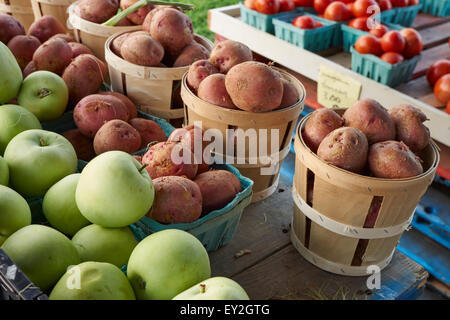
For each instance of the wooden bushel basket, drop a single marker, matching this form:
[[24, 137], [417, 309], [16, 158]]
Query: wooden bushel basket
[[332, 205], [19, 9], [154, 90], [55, 8], [222, 119], [93, 35]]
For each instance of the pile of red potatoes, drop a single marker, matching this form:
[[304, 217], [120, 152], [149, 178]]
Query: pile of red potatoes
[[231, 79], [166, 40], [370, 140]]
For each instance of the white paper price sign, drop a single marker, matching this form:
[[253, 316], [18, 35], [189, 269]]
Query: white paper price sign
[[336, 90]]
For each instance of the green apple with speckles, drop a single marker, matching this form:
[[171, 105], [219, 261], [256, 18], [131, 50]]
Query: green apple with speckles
[[4, 172], [10, 75], [218, 288]]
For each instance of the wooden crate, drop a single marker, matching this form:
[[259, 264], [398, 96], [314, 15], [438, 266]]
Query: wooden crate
[[55, 8], [19, 9]]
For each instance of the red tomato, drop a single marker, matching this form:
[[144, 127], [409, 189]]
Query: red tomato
[[359, 23], [286, 5], [448, 107], [347, 1], [393, 41], [437, 70], [392, 57], [338, 11], [319, 24], [267, 6], [400, 3], [303, 3], [350, 6], [413, 2], [442, 89], [361, 8], [368, 44], [414, 44], [250, 4], [379, 30], [385, 5], [321, 5], [304, 22]]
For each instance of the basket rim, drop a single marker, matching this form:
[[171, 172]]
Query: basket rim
[[365, 178], [383, 63]]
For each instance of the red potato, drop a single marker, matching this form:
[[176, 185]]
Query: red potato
[[149, 131], [116, 44], [172, 29], [319, 125], [191, 53], [78, 49], [346, 148], [97, 11], [117, 135], [124, 23], [218, 188], [29, 69], [177, 200], [141, 49], [290, 95], [54, 56], [393, 160], [410, 128], [148, 18], [162, 160], [9, 28], [132, 110], [83, 145], [198, 71], [254, 87], [138, 16], [84, 76], [372, 119], [63, 36], [23, 48], [93, 111], [228, 53], [46, 27], [213, 90]]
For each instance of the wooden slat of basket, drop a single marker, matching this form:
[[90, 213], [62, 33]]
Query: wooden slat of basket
[[379, 249]]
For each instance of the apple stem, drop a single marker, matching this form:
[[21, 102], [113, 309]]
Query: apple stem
[[43, 143], [202, 288], [143, 167], [42, 93]]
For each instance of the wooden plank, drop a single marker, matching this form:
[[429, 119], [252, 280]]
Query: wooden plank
[[429, 57], [287, 276], [225, 21], [435, 35], [425, 20]]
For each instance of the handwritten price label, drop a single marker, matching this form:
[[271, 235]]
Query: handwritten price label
[[335, 90]]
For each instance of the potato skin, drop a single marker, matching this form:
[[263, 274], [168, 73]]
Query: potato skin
[[198, 71], [190, 54], [63, 36], [97, 11], [172, 29], [23, 48], [132, 110], [54, 56], [160, 164], [9, 28], [228, 53], [393, 160], [93, 111], [213, 90], [290, 95], [117, 135], [177, 200], [372, 119], [83, 145], [149, 131], [46, 27], [78, 48], [319, 125], [29, 69], [410, 128], [218, 188], [254, 87], [346, 148], [138, 16], [142, 50]]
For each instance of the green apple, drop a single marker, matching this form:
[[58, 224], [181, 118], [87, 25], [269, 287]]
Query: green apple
[[167, 263], [218, 288], [42, 253], [60, 208], [37, 159], [10, 75], [14, 213], [114, 190], [93, 281], [112, 245], [45, 94], [4, 172], [13, 120]]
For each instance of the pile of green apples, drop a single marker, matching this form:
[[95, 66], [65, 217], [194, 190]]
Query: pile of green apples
[[78, 255]]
